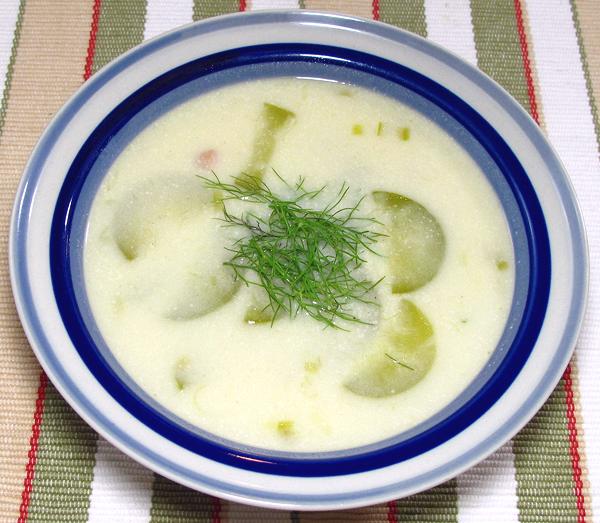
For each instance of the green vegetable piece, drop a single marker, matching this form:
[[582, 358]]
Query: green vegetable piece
[[404, 133], [357, 129], [415, 243], [259, 312], [274, 119], [285, 428], [182, 373], [403, 355], [502, 265], [312, 366], [256, 315], [379, 130], [217, 198]]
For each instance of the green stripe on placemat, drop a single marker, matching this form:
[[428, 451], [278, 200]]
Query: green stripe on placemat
[[409, 15], [545, 486], [11, 65], [64, 465], [121, 27], [543, 466], [439, 504], [207, 8], [497, 45], [173, 503]]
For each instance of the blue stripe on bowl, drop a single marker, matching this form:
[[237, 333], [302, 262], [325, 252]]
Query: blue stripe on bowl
[[516, 192], [31, 317]]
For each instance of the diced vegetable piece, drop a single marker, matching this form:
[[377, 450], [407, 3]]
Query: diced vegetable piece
[[285, 428], [379, 130], [502, 265], [274, 119], [402, 356], [404, 133], [258, 315], [357, 129], [312, 366], [182, 373], [208, 159], [217, 198], [259, 312], [415, 244]]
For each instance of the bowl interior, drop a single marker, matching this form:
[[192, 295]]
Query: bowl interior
[[499, 164]]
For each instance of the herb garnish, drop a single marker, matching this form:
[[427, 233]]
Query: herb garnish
[[398, 362], [306, 259]]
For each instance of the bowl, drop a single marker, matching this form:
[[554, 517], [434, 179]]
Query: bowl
[[68, 164]]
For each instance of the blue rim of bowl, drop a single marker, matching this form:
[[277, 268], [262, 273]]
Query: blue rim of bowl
[[514, 359], [24, 288]]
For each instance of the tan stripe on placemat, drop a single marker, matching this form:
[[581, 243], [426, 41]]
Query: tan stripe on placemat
[[362, 8], [47, 69], [586, 15]]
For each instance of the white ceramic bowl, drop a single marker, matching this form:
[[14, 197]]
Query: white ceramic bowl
[[78, 146]]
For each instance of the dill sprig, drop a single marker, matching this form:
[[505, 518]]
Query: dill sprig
[[306, 259]]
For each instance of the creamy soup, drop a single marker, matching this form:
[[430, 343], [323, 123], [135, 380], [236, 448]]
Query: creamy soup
[[210, 348]]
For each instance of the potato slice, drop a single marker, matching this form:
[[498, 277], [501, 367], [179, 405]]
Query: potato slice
[[198, 296], [159, 227], [403, 354], [138, 216], [416, 244]]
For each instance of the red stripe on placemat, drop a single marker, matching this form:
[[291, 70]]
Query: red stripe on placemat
[[33, 447], [574, 445], [568, 382], [375, 9], [392, 511], [526, 62], [89, 59], [216, 514]]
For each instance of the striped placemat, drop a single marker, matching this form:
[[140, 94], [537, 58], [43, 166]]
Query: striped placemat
[[54, 468]]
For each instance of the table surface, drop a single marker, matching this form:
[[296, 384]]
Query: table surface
[[545, 53]]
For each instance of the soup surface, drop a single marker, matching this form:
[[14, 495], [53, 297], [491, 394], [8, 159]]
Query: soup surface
[[208, 347]]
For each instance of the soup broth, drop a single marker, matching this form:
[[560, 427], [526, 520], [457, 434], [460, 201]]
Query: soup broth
[[209, 348]]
